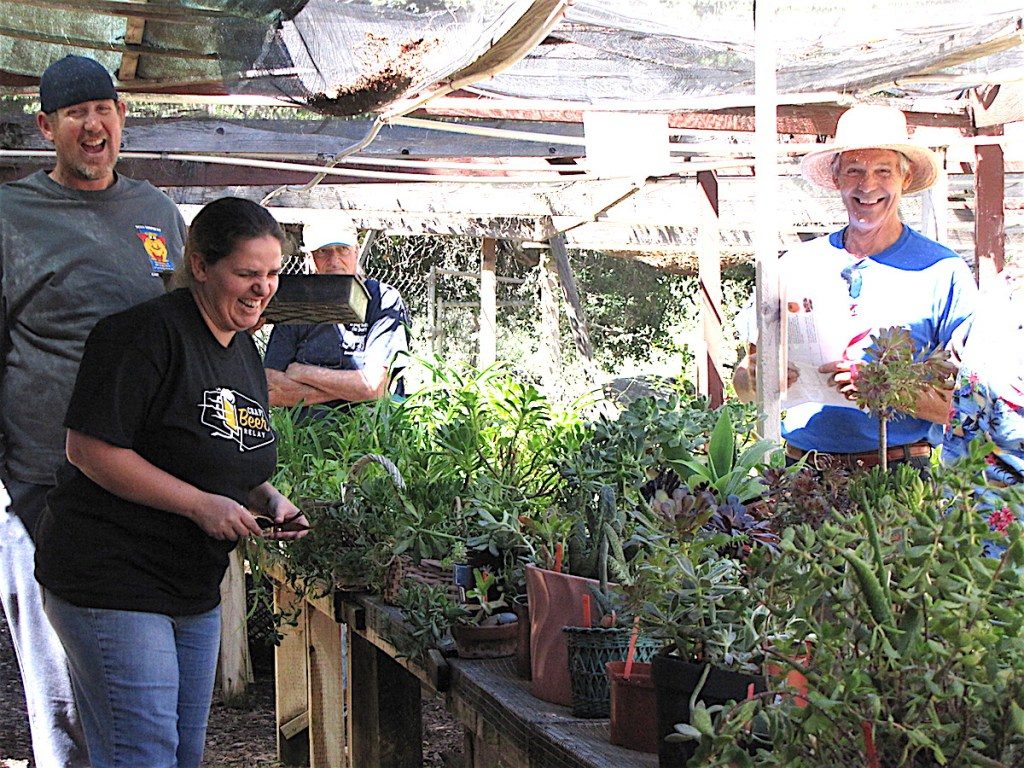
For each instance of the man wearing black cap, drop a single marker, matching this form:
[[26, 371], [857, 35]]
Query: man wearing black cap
[[76, 244]]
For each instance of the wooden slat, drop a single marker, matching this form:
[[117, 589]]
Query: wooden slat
[[234, 667], [135, 27]]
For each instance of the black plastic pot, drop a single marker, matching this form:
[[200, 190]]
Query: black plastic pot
[[674, 683]]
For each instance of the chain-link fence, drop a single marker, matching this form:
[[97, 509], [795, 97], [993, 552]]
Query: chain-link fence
[[642, 322]]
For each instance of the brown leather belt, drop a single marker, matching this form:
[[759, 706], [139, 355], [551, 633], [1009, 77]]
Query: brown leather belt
[[820, 460]]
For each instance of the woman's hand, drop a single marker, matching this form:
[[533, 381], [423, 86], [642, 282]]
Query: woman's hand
[[286, 521], [225, 519]]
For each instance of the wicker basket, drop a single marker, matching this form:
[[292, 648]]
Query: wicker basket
[[590, 649], [404, 570]]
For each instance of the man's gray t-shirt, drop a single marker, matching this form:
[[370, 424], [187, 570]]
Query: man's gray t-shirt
[[68, 258]]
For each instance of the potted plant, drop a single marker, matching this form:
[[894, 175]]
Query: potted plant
[[485, 628], [919, 640]]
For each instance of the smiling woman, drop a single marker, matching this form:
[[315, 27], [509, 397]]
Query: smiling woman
[[169, 453]]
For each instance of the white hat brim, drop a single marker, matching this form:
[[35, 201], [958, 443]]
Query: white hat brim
[[816, 166]]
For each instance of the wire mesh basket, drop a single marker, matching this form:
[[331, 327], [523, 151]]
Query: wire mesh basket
[[590, 649]]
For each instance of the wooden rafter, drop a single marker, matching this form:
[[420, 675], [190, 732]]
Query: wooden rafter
[[165, 13], [97, 45]]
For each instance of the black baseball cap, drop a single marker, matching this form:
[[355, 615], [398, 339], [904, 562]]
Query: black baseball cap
[[72, 80]]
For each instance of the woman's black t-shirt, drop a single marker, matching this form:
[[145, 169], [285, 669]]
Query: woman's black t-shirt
[[154, 379]]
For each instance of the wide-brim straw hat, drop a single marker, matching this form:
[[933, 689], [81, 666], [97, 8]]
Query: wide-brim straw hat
[[872, 126]]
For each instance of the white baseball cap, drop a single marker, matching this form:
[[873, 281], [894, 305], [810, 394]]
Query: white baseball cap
[[336, 230]]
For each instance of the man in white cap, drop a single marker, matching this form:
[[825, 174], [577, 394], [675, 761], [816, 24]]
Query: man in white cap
[[77, 243], [335, 365], [884, 274]]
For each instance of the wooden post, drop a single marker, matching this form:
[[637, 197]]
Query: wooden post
[[573, 306], [291, 683], [766, 248], [488, 304], [326, 696], [234, 666], [989, 216], [550, 332], [935, 205], [432, 310], [384, 709], [709, 274]]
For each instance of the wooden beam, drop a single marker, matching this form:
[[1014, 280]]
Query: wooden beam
[[574, 306], [384, 710], [309, 139], [709, 273], [551, 338], [488, 304], [997, 104], [989, 221], [807, 119], [98, 45], [134, 29], [171, 14]]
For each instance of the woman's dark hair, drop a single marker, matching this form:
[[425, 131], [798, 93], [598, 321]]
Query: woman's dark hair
[[219, 227]]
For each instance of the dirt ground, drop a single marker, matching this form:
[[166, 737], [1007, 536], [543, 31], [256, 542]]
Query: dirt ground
[[241, 736]]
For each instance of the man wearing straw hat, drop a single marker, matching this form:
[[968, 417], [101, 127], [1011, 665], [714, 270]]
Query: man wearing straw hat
[[334, 365], [883, 274]]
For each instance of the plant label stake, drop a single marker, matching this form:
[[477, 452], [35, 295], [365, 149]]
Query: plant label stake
[[631, 650]]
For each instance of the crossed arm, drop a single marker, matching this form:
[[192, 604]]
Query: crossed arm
[[311, 384]]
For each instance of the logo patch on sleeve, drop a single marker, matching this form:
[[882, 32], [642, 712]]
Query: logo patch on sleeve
[[155, 242], [233, 416]]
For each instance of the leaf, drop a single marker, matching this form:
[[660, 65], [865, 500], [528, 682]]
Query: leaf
[[722, 445], [1017, 717], [684, 732], [701, 720]]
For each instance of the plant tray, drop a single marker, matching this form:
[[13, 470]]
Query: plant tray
[[428, 572], [318, 299]]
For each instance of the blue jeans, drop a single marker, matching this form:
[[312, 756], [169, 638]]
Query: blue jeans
[[143, 682]]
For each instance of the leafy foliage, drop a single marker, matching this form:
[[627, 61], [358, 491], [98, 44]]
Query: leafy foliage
[[918, 640]]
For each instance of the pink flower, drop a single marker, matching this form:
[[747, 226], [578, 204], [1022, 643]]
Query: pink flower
[[990, 460], [973, 378], [1000, 519]]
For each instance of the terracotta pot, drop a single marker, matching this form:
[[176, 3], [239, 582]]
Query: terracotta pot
[[555, 600], [634, 714], [492, 642], [674, 683], [788, 679], [521, 608]]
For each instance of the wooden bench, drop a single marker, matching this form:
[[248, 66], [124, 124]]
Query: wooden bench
[[505, 726]]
